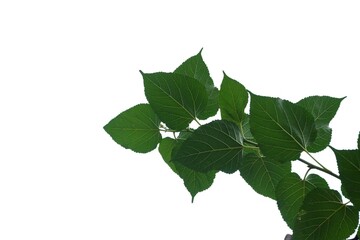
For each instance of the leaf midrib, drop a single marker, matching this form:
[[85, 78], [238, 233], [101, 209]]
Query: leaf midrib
[[190, 114]]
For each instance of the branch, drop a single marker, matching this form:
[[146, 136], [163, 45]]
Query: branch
[[310, 165]]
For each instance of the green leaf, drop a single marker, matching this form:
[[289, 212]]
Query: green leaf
[[323, 216], [349, 169], [322, 140], [282, 129], [196, 68], [176, 99], [323, 109], [165, 148], [136, 128], [233, 99], [263, 174], [290, 194], [359, 141], [212, 105], [214, 146], [194, 181]]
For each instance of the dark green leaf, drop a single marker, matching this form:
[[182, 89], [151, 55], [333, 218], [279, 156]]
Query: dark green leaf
[[323, 109], [322, 140], [212, 104], [214, 146], [323, 216], [136, 128], [263, 174], [165, 148], [233, 99], [349, 168], [290, 194], [196, 68], [359, 141], [195, 182], [176, 99], [282, 129]]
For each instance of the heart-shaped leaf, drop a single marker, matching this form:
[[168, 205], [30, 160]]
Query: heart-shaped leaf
[[263, 174], [196, 68], [194, 181], [323, 109], [214, 146], [290, 194], [323, 216], [176, 99], [136, 128], [282, 129], [349, 168], [233, 99]]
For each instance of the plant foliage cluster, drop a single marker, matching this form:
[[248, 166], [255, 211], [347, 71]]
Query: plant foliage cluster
[[261, 145]]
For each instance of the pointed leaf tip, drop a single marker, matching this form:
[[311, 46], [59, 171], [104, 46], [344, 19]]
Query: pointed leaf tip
[[282, 129], [137, 129]]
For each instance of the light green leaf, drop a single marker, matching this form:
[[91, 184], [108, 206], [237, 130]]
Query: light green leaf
[[196, 68], [282, 129], [290, 194], [176, 99], [263, 174], [323, 109], [136, 128], [323, 216], [214, 146], [233, 99], [194, 181], [349, 168], [245, 128]]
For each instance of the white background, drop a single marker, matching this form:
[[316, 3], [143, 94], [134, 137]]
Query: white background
[[68, 67]]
